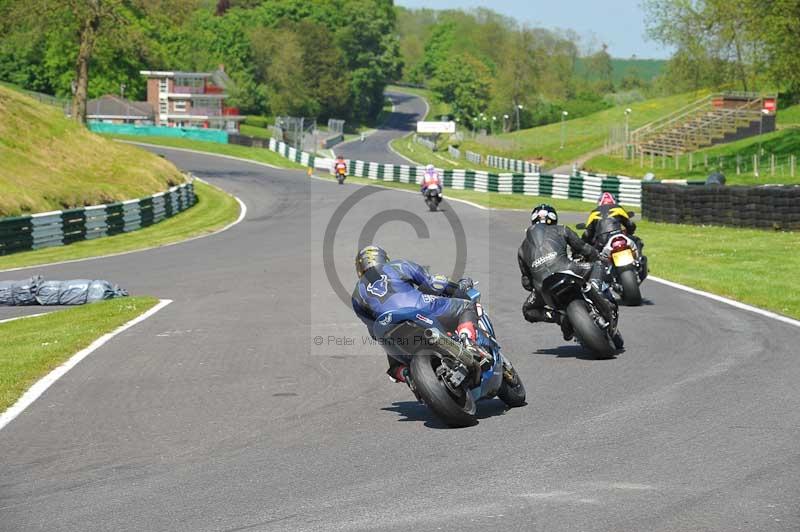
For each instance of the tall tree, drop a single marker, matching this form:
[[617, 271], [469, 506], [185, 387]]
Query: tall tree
[[71, 30], [464, 82]]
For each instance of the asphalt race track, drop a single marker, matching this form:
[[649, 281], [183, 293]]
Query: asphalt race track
[[221, 413], [408, 109]]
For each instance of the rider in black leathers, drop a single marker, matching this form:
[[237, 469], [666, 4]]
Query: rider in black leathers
[[544, 252]]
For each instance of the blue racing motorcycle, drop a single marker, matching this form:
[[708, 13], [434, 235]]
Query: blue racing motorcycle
[[443, 373]]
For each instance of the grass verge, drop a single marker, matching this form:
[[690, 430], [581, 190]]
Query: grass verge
[[32, 347], [261, 155], [214, 210], [421, 155], [749, 265], [48, 162]]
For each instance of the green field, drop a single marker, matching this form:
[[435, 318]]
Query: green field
[[214, 209], [781, 144], [748, 265], [49, 163], [33, 347], [581, 135], [422, 156], [255, 131], [789, 116]]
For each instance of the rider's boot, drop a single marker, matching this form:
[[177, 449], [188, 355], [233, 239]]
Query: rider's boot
[[398, 373]]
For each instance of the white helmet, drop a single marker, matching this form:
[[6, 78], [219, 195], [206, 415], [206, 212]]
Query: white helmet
[[430, 168]]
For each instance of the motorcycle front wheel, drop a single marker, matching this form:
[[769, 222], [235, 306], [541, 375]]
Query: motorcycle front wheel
[[589, 334], [432, 205], [512, 391], [456, 410]]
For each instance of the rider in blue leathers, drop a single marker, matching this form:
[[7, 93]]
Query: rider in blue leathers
[[385, 285]]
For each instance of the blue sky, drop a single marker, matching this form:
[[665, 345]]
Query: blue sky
[[618, 23]]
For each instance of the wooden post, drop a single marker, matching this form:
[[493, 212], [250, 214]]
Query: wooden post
[[641, 159], [690, 161], [792, 162], [677, 161], [652, 160], [755, 164], [772, 164], [705, 161], [738, 162]]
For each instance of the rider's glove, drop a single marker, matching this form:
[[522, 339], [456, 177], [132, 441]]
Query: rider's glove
[[465, 284]]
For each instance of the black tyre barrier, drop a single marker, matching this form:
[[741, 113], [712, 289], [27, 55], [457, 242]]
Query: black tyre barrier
[[763, 207], [59, 228]]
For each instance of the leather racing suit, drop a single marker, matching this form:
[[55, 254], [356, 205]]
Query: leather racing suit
[[401, 284], [543, 253]]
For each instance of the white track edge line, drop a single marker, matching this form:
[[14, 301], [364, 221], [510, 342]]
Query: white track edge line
[[35, 391], [242, 214], [727, 301], [26, 316]]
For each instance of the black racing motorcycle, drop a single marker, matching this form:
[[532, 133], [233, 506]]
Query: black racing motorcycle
[[584, 311], [433, 197]]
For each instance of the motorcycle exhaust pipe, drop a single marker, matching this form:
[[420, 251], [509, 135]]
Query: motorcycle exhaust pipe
[[450, 346], [432, 335]]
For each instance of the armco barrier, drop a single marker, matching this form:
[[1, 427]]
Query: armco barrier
[[58, 228], [765, 207], [454, 152], [474, 158], [425, 142], [515, 165], [586, 188]]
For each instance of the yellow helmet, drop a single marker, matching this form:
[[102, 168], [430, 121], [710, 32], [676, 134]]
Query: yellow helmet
[[369, 257]]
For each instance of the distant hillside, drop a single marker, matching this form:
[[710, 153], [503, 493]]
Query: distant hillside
[[51, 163], [645, 69]]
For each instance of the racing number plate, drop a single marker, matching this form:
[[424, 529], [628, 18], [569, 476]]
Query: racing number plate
[[623, 258]]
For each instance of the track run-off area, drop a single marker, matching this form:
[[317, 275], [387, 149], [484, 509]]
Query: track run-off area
[[255, 401]]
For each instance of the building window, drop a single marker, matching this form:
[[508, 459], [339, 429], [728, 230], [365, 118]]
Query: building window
[[163, 107], [163, 85], [180, 106]]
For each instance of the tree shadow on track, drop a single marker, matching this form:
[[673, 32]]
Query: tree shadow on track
[[415, 411], [572, 351]]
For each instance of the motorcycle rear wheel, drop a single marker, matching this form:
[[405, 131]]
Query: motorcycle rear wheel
[[589, 334], [454, 411], [631, 295]]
